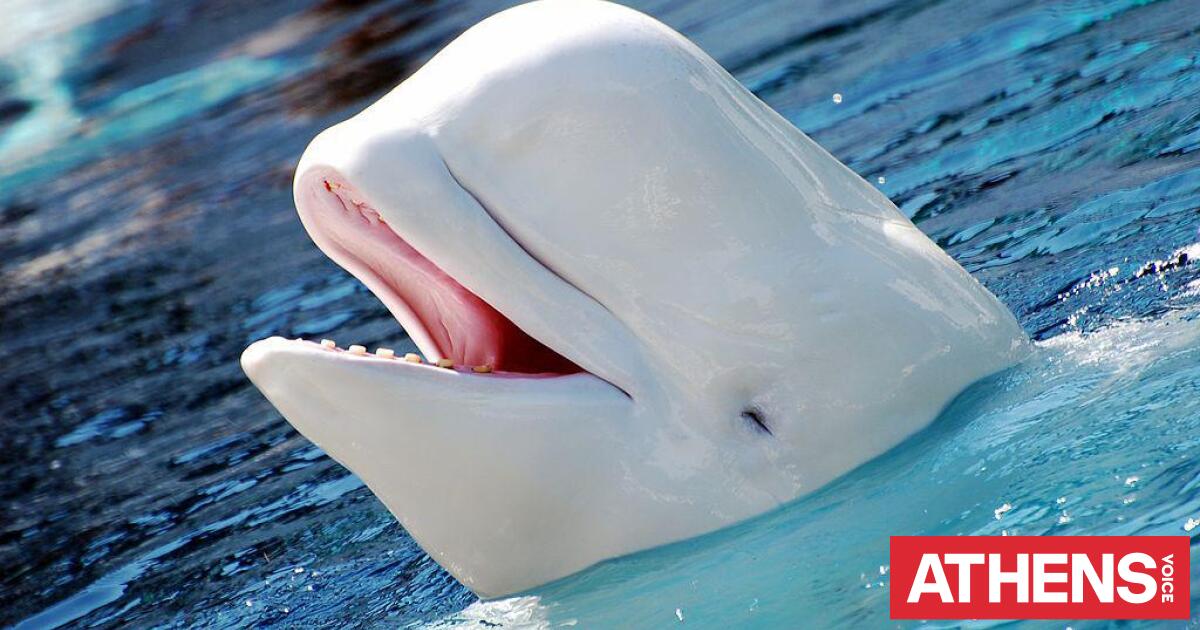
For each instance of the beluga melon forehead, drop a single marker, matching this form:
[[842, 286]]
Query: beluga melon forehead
[[649, 307]]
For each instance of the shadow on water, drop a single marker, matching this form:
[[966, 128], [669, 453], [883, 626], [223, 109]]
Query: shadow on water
[[147, 235]]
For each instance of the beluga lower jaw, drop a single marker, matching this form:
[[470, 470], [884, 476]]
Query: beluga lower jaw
[[660, 308]]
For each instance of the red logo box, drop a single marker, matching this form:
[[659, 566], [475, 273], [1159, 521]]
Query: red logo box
[[1040, 577]]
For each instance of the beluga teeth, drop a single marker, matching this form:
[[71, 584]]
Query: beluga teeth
[[357, 349], [386, 353], [328, 343], [412, 357], [445, 363], [482, 369]]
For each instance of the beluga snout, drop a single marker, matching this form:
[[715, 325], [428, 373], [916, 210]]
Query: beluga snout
[[648, 306]]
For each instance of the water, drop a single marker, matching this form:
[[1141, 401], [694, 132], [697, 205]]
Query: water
[[147, 235]]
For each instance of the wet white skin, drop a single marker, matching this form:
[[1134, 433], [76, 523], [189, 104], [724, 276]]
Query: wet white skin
[[754, 319]]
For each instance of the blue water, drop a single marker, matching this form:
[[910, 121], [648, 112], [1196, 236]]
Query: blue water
[[147, 235]]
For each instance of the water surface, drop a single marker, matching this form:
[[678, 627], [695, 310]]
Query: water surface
[[147, 235]]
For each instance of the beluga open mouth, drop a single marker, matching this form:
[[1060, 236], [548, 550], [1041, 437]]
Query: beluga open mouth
[[659, 308], [451, 325]]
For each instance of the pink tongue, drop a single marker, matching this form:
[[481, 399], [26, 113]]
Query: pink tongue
[[464, 328]]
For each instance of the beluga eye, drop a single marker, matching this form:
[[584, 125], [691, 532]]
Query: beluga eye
[[755, 416]]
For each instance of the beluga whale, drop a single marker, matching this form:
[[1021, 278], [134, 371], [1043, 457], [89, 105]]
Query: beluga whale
[[648, 306]]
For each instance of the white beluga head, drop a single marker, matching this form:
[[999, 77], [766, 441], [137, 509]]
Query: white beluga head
[[667, 308]]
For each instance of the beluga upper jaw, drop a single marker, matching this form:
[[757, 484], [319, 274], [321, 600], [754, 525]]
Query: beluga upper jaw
[[686, 311]]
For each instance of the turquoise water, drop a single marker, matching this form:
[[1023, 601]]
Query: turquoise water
[[147, 235], [1096, 434]]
